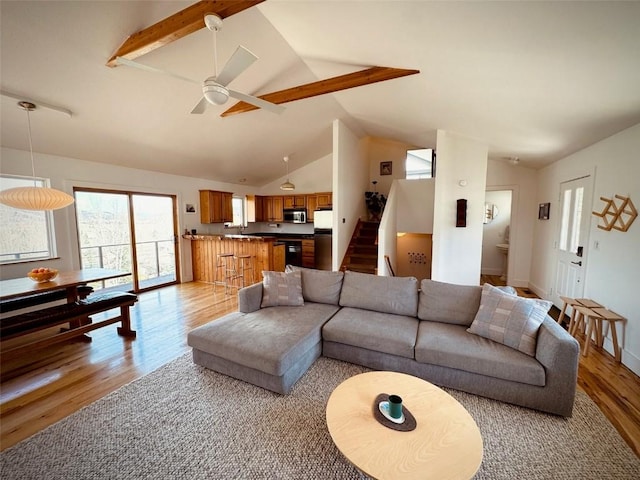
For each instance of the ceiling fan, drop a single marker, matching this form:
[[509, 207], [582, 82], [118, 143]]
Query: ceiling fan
[[214, 88], [189, 20]]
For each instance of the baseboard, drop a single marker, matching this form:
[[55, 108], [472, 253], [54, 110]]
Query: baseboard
[[629, 360], [537, 290]]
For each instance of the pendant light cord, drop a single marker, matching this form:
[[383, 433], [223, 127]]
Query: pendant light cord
[[33, 167]]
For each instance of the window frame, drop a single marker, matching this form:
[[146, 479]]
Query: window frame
[[49, 224]]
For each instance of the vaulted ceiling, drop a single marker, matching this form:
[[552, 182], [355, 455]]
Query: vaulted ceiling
[[536, 80]]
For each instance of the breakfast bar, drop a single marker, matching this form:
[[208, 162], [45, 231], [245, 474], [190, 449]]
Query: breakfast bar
[[265, 253]]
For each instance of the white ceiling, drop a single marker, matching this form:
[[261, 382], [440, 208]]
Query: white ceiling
[[536, 80]]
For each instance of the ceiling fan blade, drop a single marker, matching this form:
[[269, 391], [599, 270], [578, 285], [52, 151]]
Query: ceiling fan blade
[[256, 102], [330, 85], [200, 107], [238, 63], [147, 68], [176, 26]]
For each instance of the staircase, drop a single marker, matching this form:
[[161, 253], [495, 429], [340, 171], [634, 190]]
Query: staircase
[[362, 253]]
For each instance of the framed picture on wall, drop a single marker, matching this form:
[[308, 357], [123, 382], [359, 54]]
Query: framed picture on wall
[[189, 208], [386, 168], [543, 211]]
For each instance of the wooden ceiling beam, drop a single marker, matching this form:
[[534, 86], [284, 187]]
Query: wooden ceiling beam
[[178, 25], [330, 85]]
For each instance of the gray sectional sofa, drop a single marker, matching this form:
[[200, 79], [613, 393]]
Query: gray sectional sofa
[[387, 323]]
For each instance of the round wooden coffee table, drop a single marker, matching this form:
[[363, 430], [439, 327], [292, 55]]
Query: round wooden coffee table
[[445, 444]]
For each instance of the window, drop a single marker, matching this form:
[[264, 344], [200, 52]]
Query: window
[[420, 163], [237, 205], [30, 236]]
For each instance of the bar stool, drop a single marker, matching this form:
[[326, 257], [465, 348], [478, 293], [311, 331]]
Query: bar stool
[[225, 270], [244, 263]]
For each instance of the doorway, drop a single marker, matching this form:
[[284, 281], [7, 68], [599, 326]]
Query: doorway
[[497, 234], [130, 231], [573, 231]]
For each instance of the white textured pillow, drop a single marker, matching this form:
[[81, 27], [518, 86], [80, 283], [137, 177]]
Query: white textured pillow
[[510, 320], [281, 289]]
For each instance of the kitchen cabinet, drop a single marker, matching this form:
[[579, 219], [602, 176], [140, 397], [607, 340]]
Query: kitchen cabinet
[[215, 206], [255, 208], [295, 201], [316, 201], [325, 199], [308, 253], [273, 207]]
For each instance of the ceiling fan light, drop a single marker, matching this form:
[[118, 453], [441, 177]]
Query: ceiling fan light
[[215, 93], [35, 198]]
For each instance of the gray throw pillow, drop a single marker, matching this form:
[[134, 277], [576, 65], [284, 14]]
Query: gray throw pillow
[[320, 286], [510, 320], [281, 289]]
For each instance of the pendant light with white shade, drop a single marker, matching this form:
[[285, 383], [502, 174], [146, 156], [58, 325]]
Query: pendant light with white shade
[[287, 185], [34, 198]]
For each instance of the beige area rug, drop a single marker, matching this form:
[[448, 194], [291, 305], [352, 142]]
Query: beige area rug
[[185, 422]]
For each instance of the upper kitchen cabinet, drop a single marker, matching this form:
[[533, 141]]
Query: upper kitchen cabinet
[[215, 207], [316, 201], [295, 201], [255, 208], [273, 209]]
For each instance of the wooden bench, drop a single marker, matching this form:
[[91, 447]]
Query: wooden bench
[[76, 314], [13, 304]]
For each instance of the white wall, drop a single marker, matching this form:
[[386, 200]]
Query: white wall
[[384, 150], [457, 252], [523, 182], [493, 261], [65, 173], [613, 268], [350, 181], [316, 176], [415, 205]]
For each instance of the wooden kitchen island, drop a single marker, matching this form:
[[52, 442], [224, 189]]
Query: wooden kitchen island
[[267, 253]]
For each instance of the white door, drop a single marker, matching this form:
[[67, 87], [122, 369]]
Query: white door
[[575, 201]]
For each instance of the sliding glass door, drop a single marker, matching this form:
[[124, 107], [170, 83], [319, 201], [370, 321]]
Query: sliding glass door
[[129, 231]]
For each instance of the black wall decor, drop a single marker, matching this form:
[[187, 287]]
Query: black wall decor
[[461, 212], [543, 211]]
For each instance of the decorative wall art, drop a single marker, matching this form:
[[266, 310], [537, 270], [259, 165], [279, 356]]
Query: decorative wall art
[[189, 208], [543, 211], [386, 168], [617, 216]]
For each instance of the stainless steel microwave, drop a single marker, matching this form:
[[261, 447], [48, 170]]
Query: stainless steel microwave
[[295, 215]]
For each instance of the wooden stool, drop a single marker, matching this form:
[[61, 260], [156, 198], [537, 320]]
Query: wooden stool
[[244, 263], [224, 263], [579, 322], [568, 302], [595, 318]]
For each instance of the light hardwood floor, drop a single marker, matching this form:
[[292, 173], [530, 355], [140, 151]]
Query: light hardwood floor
[[38, 390]]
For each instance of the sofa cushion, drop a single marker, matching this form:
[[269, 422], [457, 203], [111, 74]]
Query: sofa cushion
[[451, 303], [396, 295], [271, 340], [281, 288], [319, 286], [448, 303], [510, 320], [452, 346], [380, 332]]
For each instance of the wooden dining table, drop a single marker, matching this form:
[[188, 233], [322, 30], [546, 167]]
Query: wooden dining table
[[69, 280]]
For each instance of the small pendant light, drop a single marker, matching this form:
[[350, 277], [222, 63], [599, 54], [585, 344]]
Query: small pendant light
[[287, 185]]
